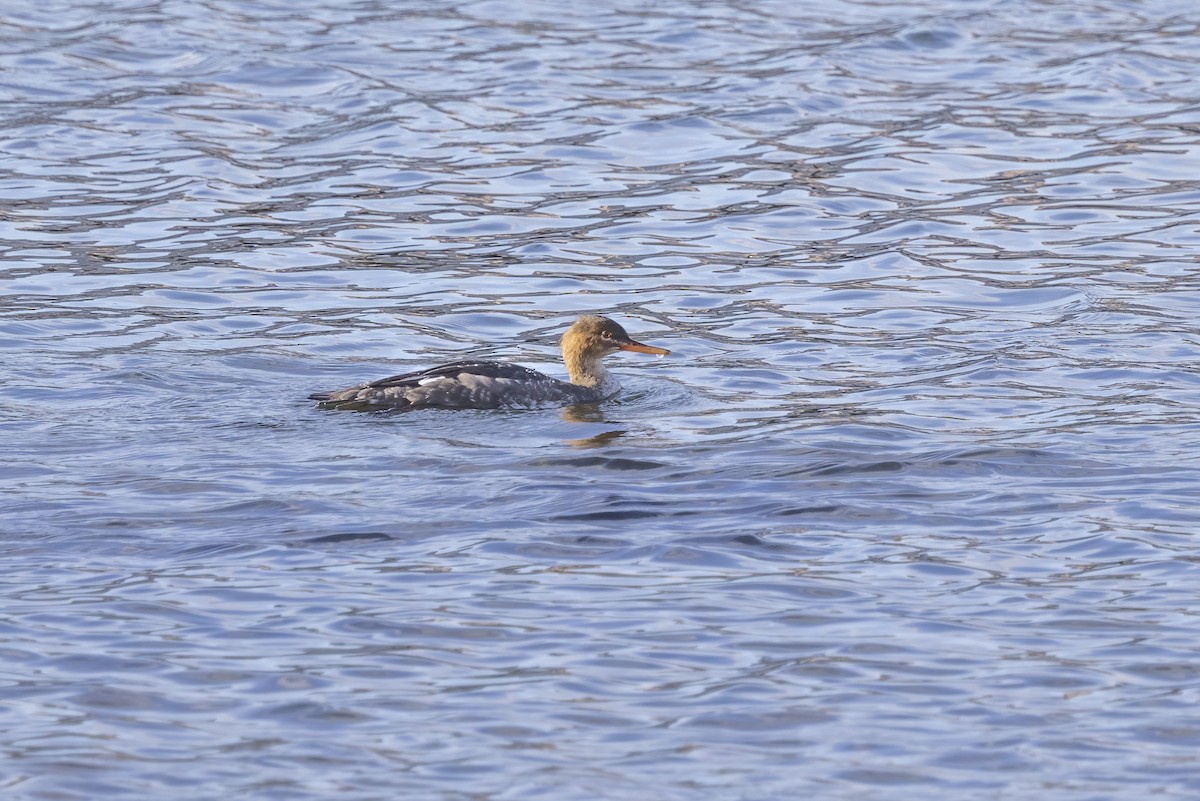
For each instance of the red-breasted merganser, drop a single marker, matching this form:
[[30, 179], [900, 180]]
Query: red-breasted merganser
[[496, 385]]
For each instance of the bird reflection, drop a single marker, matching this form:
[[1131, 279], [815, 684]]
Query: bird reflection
[[589, 413]]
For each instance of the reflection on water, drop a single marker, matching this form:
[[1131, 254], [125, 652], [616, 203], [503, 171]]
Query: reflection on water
[[911, 506]]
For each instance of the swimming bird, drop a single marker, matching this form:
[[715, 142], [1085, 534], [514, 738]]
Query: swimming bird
[[497, 385]]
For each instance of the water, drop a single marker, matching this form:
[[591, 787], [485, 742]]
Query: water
[[909, 511]]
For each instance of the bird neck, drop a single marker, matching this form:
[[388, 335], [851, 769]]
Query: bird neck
[[588, 372]]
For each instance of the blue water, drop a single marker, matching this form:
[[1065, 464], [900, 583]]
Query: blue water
[[908, 512]]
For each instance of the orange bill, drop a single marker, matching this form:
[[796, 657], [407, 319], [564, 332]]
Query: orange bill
[[638, 347]]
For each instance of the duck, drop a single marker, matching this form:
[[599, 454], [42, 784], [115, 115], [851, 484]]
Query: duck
[[501, 385]]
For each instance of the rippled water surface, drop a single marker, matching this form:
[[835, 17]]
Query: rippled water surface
[[909, 512]]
